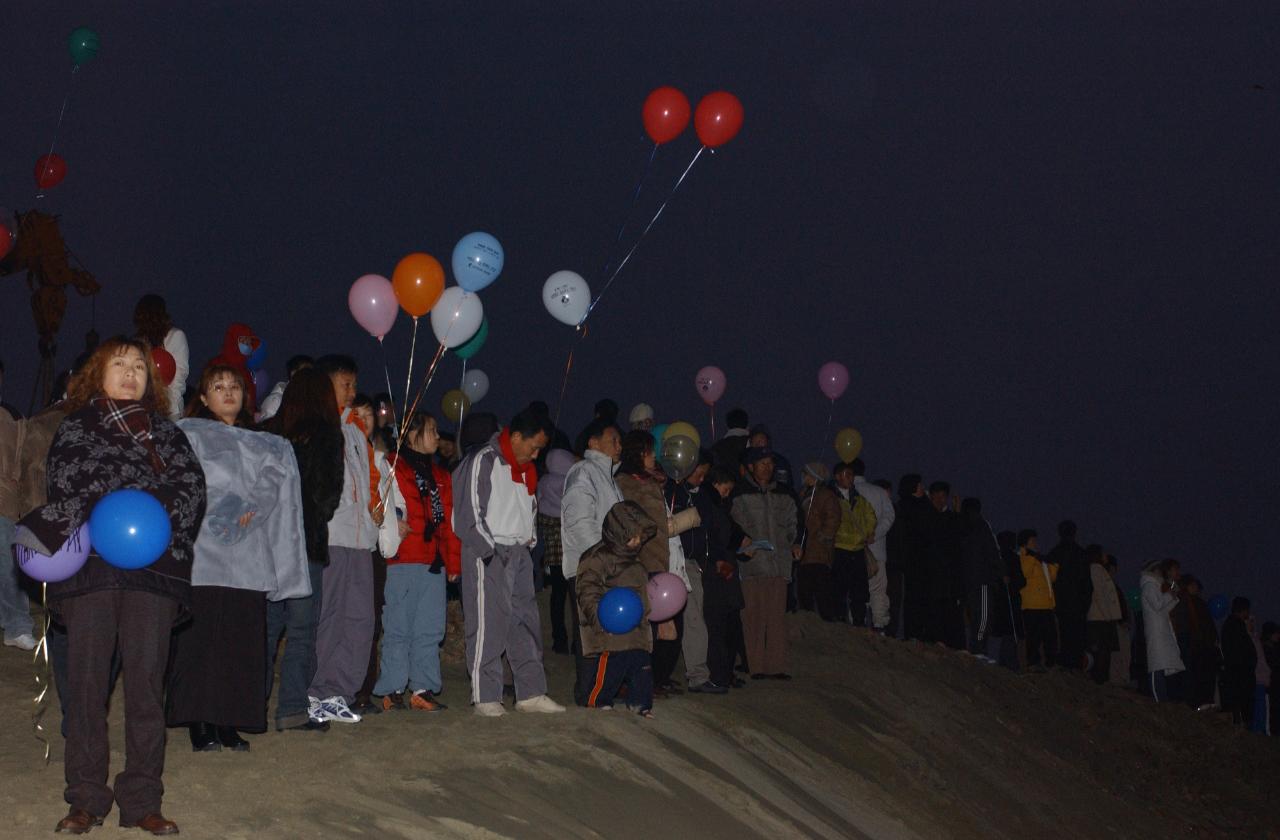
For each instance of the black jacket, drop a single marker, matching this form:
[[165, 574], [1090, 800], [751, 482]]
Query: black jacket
[[723, 536], [982, 562], [942, 574], [319, 454], [1073, 590]]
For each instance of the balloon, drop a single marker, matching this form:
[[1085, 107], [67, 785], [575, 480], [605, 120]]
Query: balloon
[[848, 444], [6, 240], [475, 385], [567, 297], [456, 317], [373, 304], [261, 382], [257, 358], [62, 564], [1219, 607], [620, 610], [718, 118], [473, 344], [1135, 600], [454, 404], [682, 428], [679, 457], [50, 170], [666, 596], [477, 261], [130, 529], [165, 363], [833, 379], [83, 44], [418, 282], [710, 382], [665, 114], [658, 431]]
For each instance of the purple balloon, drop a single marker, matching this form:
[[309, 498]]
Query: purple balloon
[[710, 382], [373, 303], [833, 379], [667, 595], [64, 563]]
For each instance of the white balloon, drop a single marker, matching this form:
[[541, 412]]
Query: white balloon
[[475, 385], [456, 316], [567, 297]]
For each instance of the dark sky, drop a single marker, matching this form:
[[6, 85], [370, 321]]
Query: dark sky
[[1043, 239]]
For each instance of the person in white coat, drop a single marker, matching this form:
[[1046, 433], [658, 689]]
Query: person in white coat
[[270, 404], [878, 581], [152, 320], [589, 494], [1159, 597]]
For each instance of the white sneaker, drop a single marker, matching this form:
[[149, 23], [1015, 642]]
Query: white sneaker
[[490, 709], [24, 642], [334, 708], [541, 703]]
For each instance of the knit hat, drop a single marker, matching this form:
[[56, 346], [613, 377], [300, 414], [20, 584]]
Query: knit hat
[[818, 471], [641, 412], [756, 453]]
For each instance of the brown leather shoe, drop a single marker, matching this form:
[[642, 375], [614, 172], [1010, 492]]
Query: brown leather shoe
[[77, 821], [154, 823]]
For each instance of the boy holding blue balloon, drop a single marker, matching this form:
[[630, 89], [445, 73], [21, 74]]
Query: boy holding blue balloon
[[613, 607]]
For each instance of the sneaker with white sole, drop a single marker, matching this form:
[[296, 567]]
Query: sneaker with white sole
[[25, 641], [335, 709], [541, 703], [490, 709]]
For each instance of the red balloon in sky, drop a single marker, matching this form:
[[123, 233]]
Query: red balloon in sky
[[166, 364], [718, 118], [666, 113], [50, 170]]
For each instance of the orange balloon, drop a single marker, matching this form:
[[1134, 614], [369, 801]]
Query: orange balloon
[[418, 282]]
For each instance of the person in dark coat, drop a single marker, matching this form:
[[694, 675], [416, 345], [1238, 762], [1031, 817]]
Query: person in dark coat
[[983, 581], [943, 580], [722, 600], [1271, 650], [727, 452], [907, 605], [1239, 663], [1198, 641], [1072, 593], [1007, 623], [117, 436]]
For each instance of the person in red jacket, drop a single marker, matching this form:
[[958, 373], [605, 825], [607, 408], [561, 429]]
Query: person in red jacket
[[413, 616]]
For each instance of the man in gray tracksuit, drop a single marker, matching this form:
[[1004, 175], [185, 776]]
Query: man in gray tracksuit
[[494, 510]]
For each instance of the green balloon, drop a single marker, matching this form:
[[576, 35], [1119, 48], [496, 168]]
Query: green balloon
[[83, 44], [473, 344]]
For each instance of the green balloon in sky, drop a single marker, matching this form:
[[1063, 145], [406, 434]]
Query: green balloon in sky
[[473, 344], [83, 44]]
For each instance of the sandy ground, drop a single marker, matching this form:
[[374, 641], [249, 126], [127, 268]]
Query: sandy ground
[[874, 738]]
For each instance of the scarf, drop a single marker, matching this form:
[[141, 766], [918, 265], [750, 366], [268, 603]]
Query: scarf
[[130, 417], [428, 489], [527, 474]]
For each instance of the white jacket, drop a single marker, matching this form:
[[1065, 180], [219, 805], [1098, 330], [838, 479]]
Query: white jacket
[[589, 493], [269, 405], [352, 524], [880, 502], [176, 343], [1162, 644]]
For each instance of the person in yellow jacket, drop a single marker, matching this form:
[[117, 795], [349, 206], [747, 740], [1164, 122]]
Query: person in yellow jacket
[[1037, 601]]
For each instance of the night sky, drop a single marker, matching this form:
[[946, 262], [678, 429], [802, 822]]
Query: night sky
[[1043, 239]]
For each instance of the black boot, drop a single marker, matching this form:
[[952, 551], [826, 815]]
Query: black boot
[[230, 738], [203, 738]]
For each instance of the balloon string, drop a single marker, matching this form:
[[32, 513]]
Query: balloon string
[[56, 128], [462, 404], [712, 408], [404, 421], [581, 331], [631, 209], [40, 655], [386, 371], [827, 437], [643, 233], [413, 346]]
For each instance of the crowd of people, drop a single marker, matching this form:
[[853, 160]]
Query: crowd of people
[[317, 538]]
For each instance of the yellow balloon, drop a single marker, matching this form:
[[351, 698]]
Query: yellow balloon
[[454, 404], [682, 428], [848, 444]]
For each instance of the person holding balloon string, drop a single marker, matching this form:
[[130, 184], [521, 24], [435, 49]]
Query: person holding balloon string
[[118, 463], [613, 608]]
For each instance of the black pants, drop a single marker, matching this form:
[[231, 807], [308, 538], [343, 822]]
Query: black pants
[[724, 629], [850, 591], [559, 597], [57, 642], [379, 600], [817, 592], [217, 673], [1042, 633], [1072, 630], [666, 652], [600, 677], [895, 587], [138, 625]]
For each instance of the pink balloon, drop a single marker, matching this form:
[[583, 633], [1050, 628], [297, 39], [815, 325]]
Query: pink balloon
[[833, 379], [666, 596], [373, 304], [710, 382]]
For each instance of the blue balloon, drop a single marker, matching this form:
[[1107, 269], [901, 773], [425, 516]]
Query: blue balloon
[[620, 610], [130, 529], [1219, 607], [477, 261]]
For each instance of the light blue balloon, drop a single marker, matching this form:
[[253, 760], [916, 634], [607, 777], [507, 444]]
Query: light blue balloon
[[658, 431], [477, 261]]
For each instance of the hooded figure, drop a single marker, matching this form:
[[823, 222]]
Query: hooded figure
[[238, 344], [611, 563]]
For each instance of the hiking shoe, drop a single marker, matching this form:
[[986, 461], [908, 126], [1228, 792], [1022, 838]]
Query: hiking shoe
[[393, 702], [24, 641], [541, 703], [490, 709], [425, 701], [335, 709], [708, 687]]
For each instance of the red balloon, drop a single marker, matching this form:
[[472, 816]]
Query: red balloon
[[665, 113], [50, 170], [6, 240], [165, 363], [718, 118]]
